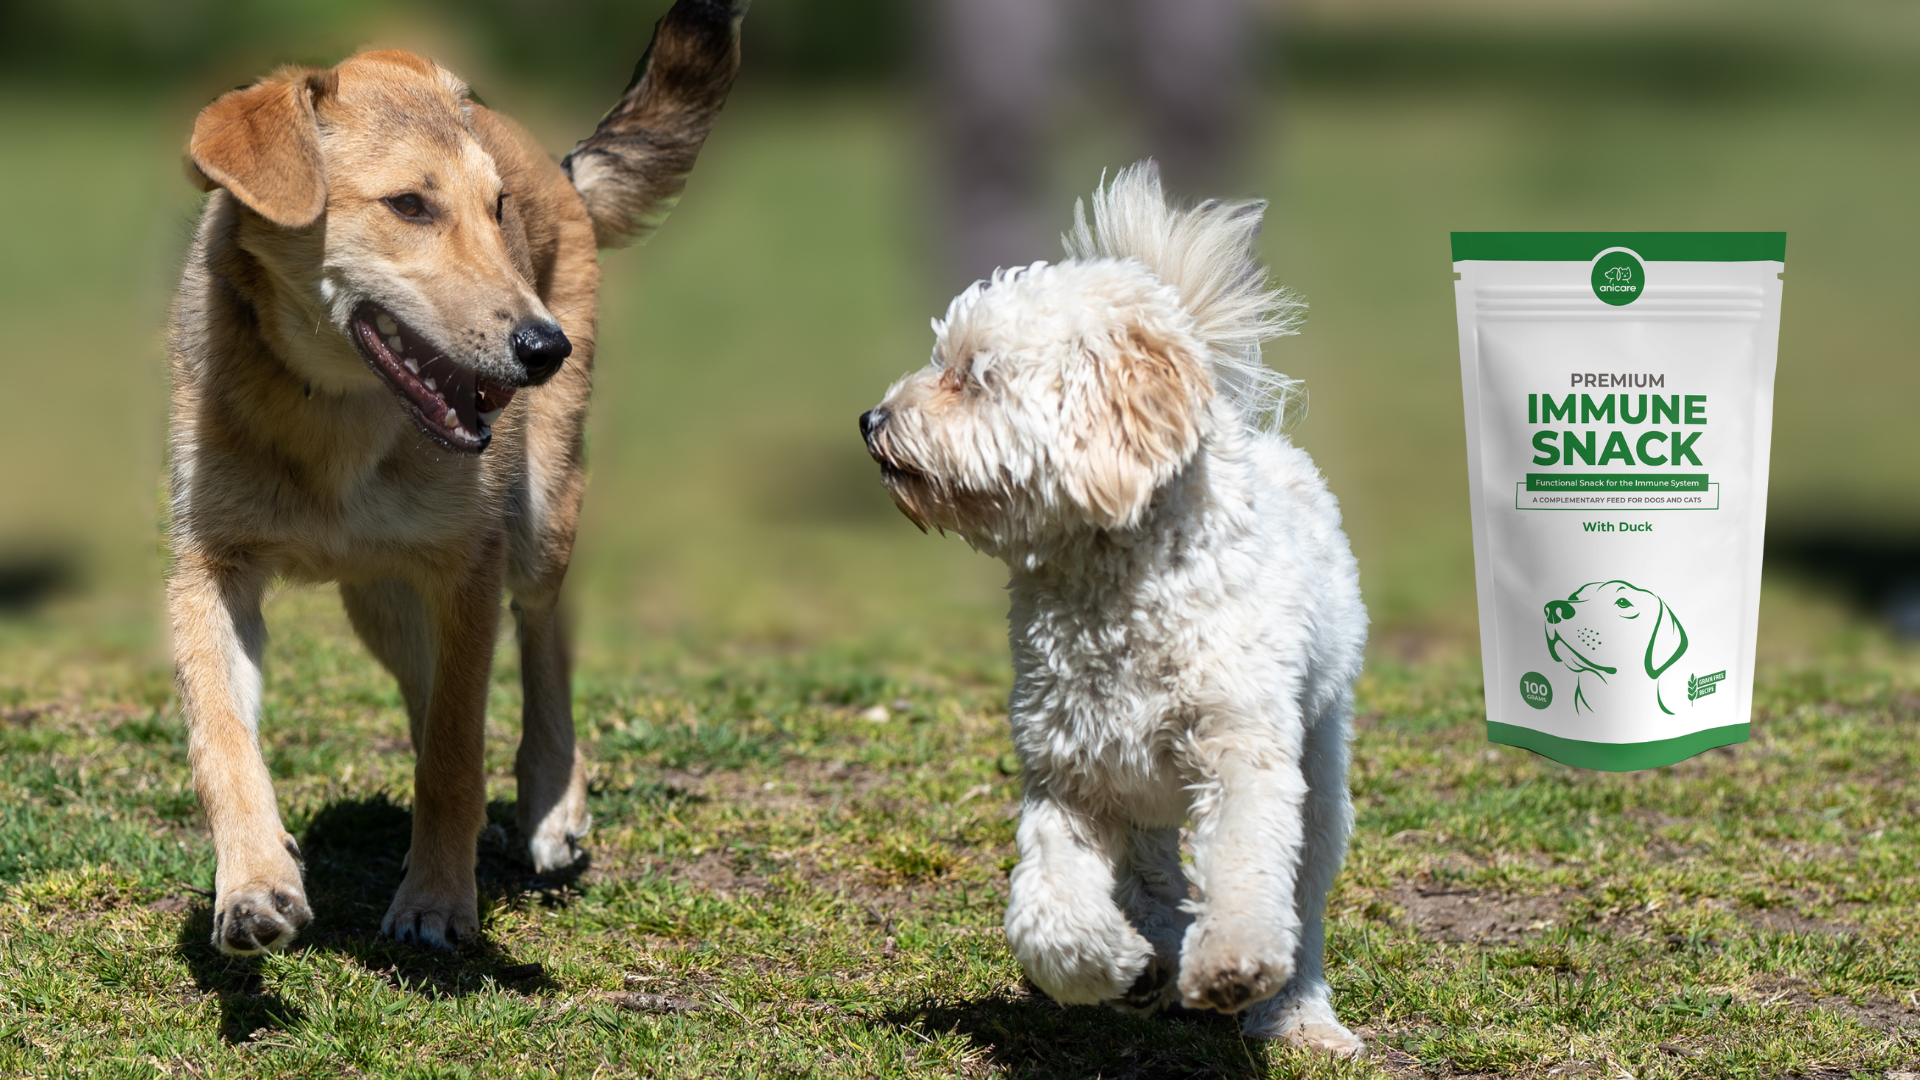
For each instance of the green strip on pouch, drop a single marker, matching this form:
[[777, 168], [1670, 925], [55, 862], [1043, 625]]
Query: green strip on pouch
[[1616, 482], [1616, 757], [1651, 246]]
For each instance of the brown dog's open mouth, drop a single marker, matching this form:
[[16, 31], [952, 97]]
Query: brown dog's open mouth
[[452, 403]]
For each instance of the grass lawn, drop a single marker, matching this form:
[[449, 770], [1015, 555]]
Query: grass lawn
[[784, 883]]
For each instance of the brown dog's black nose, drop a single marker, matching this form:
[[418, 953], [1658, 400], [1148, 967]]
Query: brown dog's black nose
[[541, 347], [870, 422], [1558, 610]]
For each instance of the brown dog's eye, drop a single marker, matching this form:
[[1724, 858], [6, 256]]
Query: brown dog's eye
[[409, 206], [500, 208]]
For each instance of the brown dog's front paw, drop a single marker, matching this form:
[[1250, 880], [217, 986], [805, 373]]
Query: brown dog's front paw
[[259, 917], [553, 811], [554, 844], [554, 850], [419, 916]]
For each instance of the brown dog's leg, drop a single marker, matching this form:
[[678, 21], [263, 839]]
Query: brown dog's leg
[[218, 637], [391, 619], [551, 775], [437, 902], [541, 519]]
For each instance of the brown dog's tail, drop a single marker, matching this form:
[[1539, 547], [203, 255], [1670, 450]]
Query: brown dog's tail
[[631, 170]]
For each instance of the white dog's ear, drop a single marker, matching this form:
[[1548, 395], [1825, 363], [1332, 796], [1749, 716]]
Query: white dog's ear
[[1133, 420], [262, 144], [1669, 640]]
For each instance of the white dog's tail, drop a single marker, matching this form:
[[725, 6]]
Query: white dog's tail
[[1207, 254]]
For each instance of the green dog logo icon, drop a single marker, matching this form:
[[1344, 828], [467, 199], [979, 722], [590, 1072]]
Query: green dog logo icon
[[1619, 640]]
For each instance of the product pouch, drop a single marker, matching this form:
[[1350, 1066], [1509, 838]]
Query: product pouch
[[1619, 400]]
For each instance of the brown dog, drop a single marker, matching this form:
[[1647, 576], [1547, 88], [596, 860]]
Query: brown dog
[[382, 349]]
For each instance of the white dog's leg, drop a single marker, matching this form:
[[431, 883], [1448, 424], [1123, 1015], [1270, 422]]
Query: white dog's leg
[[1063, 923], [1303, 1013], [1152, 892], [1247, 838]]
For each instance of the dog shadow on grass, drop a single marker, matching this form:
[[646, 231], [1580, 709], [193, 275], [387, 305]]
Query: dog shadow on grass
[[1028, 1035], [353, 851]]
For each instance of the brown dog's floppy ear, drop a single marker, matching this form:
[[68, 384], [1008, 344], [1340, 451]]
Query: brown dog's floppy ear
[[1135, 422], [1669, 640], [263, 145]]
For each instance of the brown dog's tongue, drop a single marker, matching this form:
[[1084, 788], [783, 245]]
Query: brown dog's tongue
[[459, 393], [491, 397]]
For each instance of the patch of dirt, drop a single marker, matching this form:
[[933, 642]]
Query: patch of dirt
[[389, 745], [1905, 705], [1787, 910], [715, 872], [729, 875], [1786, 920], [798, 788], [1470, 915], [1879, 1013], [800, 784], [74, 716]]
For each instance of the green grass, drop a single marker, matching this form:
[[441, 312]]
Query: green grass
[[780, 885]]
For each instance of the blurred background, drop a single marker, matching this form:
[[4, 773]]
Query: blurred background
[[863, 171]]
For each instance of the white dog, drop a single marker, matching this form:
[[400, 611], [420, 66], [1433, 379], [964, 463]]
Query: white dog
[[1186, 618]]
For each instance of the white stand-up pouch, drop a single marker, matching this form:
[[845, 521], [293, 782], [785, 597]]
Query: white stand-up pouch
[[1619, 400]]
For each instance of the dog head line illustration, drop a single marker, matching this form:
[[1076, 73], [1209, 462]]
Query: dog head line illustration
[[1614, 633]]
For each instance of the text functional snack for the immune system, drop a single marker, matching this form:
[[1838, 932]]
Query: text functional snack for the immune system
[[1619, 399]]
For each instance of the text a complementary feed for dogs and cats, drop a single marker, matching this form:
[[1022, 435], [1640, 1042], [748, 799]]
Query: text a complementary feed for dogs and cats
[[1619, 406]]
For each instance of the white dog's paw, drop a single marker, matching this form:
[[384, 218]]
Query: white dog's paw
[[1080, 966], [1306, 1021], [436, 918], [1220, 971], [1328, 1037], [1154, 989]]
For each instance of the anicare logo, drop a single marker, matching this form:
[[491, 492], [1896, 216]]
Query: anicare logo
[[1618, 276]]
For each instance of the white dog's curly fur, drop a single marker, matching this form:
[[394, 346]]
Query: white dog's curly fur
[[1186, 618]]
